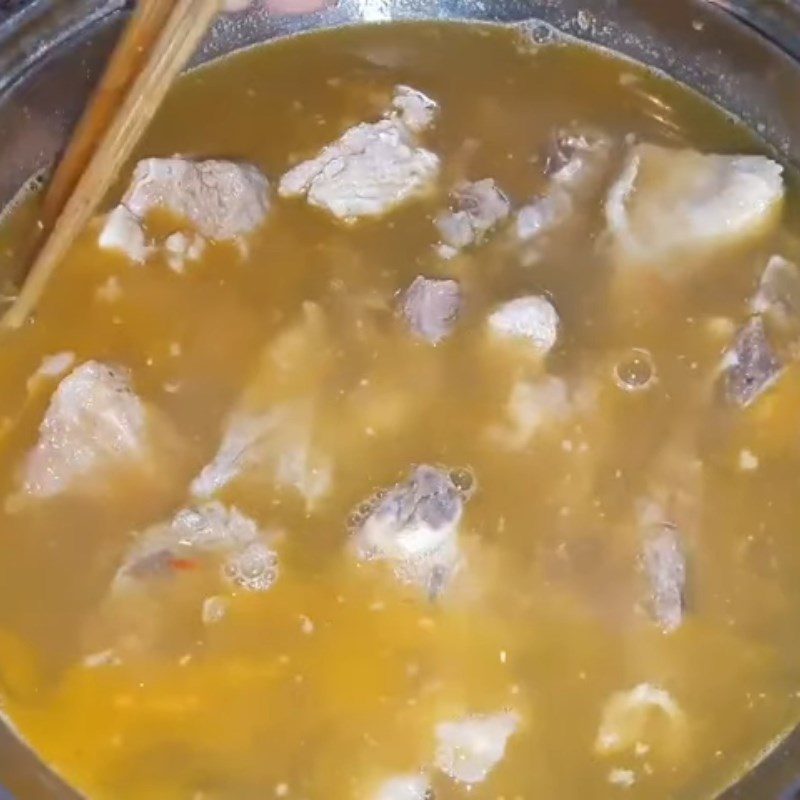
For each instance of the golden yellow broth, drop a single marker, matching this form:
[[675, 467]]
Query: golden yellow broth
[[260, 705]]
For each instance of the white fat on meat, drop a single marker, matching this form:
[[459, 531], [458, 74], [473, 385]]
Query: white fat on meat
[[468, 749], [94, 421], [209, 531], [670, 207], [222, 201], [404, 787], [431, 308], [533, 406], [531, 320], [274, 446], [372, 168], [645, 715], [414, 527], [475, 210]]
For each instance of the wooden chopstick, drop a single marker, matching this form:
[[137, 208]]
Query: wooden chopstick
[[130, 53], [182, 29]]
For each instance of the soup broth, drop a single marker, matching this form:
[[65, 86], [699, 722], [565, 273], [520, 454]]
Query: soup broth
[[610, 606]]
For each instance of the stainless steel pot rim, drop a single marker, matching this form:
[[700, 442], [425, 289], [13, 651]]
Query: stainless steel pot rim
[[743, 55]]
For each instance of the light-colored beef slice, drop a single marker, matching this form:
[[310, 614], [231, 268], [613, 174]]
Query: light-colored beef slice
[[431, 308], [372, 167], [94, 421], [469, 749], [206, 531], [475, 210], [414, 527], [670, 208], [751, 366], [531, 319], [223, 200]]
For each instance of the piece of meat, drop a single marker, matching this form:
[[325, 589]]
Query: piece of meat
[[414, 527], [669, 208], [544, 214], [578, 160], [645, 715], [53, 366], [575, 165], [210, 530], [405, 787], [431, 308], [414, 109], [223, 200], [94, 421], [124, 232], [180, 249], [475, 210], [531, 319], [370, 169], [664, 565], [469, 749], [531, 407], [274, 446], [778, 295], [751, 366]]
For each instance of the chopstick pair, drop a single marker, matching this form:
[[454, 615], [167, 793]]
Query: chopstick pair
[[156, 45]]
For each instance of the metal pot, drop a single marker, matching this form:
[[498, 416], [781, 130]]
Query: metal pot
[[742, 54]]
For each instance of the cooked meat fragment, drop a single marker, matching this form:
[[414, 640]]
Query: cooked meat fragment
[[181, 248], [273, 446], [414, 109], [469, 749], [476, 209], [778, 295], [123, 231], [664, 563], [531, 319], [578, 161], [369, 170], [431, 308], [575, 165], [51, 367], [222, 199], [531, 407], [404, 787], [544, 214], [751, 366], [414, 526], [94, 420], [210, 530], [669, 207], [645, 715]]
